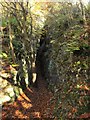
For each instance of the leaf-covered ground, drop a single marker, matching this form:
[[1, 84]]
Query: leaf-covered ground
[[33, 103]]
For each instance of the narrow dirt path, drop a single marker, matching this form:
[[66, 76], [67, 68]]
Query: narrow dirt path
[[34, 103]]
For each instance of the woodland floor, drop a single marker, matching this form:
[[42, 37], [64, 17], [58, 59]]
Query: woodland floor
[[33, 103]]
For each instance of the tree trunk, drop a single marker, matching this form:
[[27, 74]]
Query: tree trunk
[[11, 45]]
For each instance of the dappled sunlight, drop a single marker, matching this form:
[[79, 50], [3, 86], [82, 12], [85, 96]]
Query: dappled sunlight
[[18, 113], [34, 77], [26, 106], [34, 74], [23, 96], [5, 75], [36, 114], [23, 104], [30, 90]]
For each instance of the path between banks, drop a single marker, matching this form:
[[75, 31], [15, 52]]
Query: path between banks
[[31, 104]]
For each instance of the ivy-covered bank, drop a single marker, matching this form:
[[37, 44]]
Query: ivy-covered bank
[[66, 60]]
